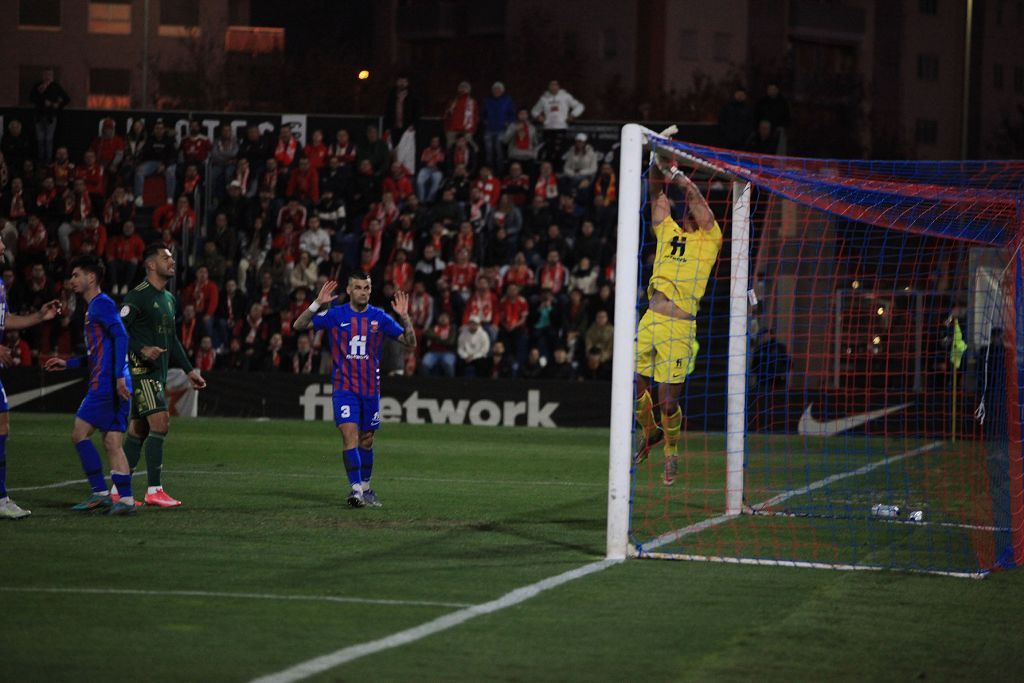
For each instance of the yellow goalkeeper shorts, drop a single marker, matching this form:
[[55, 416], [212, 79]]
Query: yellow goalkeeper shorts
[[666, 348]]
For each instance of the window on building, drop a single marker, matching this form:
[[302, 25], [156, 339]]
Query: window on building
[[721, 47], [929, 6], [179, 17], [926, 131], [688, 47], [111, 16], [109, 89], [39, 14], [1018, 80], [928, 67], [997, 76]]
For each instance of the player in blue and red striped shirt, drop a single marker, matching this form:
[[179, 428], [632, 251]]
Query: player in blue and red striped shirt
[[355, 332], [108, 400]]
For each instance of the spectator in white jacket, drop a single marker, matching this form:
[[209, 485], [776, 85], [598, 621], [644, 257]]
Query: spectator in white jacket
[[580, 164], [473, 347], [556, 109], [315, 241]]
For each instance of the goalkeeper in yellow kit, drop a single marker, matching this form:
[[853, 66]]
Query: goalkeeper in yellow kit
[[666, 341]]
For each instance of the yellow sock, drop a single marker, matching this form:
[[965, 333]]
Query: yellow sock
[[644, 409], [671, 425]]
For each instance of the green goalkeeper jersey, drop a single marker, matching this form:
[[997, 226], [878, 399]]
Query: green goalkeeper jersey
[[148, 315]]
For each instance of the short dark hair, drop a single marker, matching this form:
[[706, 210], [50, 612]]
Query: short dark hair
[[152, 249], [358, 275], [89, 264]]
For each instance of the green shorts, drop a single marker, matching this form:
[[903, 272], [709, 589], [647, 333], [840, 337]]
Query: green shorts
[[148, 397]]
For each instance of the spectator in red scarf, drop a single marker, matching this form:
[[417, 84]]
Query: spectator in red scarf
[[304, 184], [108, 147], [61, 170], [253, 331], [399, 273], [316, 151], [204, 294], [177, 218], [522, 140], [206, 355], [460, 274], [77, 208], [94, 233], [514, 311], [190, 182], [430, 176], [195, 147], [489, 186], [33, 240], [288, 151], [439, 342], [546, 186], [274, 358], [397, 183], [14, 212], [462, 116], [304, 359], [118, 209], [553, 275], [483, 305], [124, 253], [190, 330], [95, 179], [516, 184]]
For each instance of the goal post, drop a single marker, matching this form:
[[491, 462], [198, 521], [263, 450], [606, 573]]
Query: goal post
[[854, 389]]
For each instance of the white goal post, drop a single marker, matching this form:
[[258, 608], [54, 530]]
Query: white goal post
[[620, 448]]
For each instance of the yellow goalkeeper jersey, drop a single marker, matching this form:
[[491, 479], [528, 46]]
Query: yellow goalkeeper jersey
[[683, 263]]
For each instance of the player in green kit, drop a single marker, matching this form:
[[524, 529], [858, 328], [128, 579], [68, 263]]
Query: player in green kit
[[148, 313]]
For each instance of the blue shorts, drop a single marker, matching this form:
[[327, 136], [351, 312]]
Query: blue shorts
[[363, 410], [4, 407], [105, 412]]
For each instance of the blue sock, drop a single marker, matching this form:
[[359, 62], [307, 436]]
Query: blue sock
[[366, 459], [123, 482], [353, 465], [91, 465], [3, 465]]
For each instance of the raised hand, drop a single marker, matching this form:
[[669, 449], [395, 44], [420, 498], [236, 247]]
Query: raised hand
[[327, 294], [401, 302]]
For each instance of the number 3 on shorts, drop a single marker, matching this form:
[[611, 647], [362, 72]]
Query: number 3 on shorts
[[346, 411]]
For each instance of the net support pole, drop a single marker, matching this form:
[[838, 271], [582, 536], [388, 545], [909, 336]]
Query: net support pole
[[736, 421], [620, 445]]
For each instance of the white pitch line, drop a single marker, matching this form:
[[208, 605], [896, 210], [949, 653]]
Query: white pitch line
[[329, 661], [234, 473], [667, 538], [244, 596]]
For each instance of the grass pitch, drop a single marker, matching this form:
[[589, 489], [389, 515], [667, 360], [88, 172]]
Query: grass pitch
[[470, 514]]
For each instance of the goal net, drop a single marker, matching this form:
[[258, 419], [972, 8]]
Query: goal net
[[855, 398]]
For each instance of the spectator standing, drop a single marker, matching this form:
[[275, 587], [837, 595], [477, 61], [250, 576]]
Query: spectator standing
[[736, 120], [159, 155], [401, 110], [16, 146], [462, 116], [223, 161], [499, 113], [556, 109], [49, 99]]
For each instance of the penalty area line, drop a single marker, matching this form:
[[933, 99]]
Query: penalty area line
[[326, 662], [228, 595]]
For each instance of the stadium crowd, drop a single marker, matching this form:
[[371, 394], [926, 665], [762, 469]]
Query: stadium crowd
[[502, 231]]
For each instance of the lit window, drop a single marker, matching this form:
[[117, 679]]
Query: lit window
[[110, 17], [109, 89]]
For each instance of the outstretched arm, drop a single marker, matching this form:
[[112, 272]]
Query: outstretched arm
[[49, 311], [695, 202]]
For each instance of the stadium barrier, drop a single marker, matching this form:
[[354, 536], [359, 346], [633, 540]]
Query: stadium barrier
[[413, 400]]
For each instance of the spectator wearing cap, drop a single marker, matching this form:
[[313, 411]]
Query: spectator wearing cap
[[499, 113], [580, 165], [108, 147], [556, 109], [159, 155], [461, 116]]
